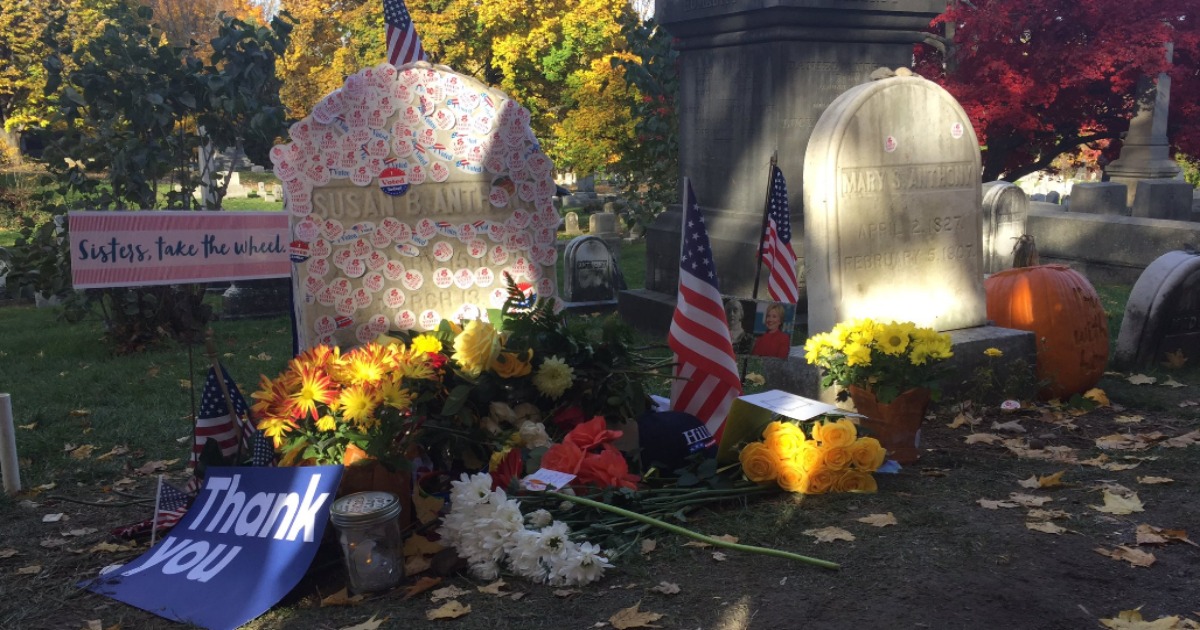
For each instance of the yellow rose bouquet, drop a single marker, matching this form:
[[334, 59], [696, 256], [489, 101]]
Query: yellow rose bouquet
[[885, 358], [833, 459]]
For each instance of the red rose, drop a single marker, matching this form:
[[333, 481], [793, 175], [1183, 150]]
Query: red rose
[[567, 418], [606, 469], [437, 360], [591, 434], [508, 469], [564, 458]]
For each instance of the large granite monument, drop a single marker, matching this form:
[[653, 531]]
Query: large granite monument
[[754, 77]]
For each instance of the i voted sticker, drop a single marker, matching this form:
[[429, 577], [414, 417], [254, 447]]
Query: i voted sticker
[[443, 278], [393, 298]]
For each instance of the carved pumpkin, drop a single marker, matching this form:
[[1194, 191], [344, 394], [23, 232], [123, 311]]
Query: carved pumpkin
[[1061, 308]]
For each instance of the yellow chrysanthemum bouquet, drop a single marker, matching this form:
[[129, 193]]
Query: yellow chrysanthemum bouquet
[[884, 358], [832, 459]]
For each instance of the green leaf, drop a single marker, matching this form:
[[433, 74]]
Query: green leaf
[[455, 401]]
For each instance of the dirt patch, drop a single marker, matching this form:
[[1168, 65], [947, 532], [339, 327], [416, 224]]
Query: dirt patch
[[949, 562]]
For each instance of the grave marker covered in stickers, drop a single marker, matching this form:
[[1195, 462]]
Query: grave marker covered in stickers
[[412, 191]]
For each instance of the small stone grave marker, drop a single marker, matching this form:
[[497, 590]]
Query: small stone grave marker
[[572, 221], [1162, 315], [591, 271], [1005, 211]]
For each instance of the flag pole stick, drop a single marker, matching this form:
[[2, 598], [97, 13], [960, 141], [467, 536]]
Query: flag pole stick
[[762, 239], [154, 519], [210, 350]]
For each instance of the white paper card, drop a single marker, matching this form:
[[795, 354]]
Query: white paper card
[[546, 479]]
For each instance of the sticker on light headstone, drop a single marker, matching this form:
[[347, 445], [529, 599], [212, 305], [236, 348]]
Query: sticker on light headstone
[[298, 251], [325, 325], [443, 251], [484, 277], [373, 281], [318, 267], [306, 229], [344, 321], [345, 306], [498, 297], [332, 229], [408, 249], [394, 298], [443, 278], [340, 288], [365, 333], [325, 297], [362, 298], [313, 285], [464, 279], [376, 261], [499, 255], [429, 319], [321, 248], [405, 320], [413, 280], [379, 240], [342, 257], [393, 270]]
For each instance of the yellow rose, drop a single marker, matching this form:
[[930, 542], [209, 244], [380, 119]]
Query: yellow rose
[[855, 481], [821, 481], [835, 457], [509, 365], [867, 454], [476, 348], [784, 438], [994, 352], [839, 433], [759, 463], [792, 479], [808, 456], [426, 343]]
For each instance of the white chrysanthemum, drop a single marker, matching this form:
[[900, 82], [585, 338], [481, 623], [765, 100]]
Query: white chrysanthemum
[[533, 435], [524, 555], [487, 571], [554, 377], [582, 564], [471, 490], [538, 519], [553, 542]]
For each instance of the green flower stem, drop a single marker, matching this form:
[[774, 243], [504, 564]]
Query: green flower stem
[[691, 534]]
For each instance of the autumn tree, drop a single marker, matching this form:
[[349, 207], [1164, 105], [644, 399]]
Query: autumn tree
[[193, 23], [1040, 78]]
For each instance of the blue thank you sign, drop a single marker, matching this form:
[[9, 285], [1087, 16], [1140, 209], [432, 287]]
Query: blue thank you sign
[[246, 541]]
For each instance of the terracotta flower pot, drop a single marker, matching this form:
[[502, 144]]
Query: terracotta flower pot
[[897, 425]]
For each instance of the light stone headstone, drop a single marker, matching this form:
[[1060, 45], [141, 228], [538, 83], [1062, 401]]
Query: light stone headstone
[[892, 204], [1052, 196], [262, 189], [572, 221], [1163, 199], [1005, 212], [412, 192], [235, 189], [602, 224], [591, 271]]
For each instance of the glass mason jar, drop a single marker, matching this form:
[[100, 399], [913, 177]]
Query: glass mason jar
[[372, 545]]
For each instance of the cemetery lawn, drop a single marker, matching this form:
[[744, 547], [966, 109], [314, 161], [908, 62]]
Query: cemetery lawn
[[94, 430]]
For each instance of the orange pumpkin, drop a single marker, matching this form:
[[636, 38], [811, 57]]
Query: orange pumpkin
[[1061, 308]]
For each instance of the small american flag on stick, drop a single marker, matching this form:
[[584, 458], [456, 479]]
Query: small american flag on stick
[[777, 243], [403, 44]]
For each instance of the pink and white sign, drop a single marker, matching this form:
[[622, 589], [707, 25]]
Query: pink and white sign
[[126, 249]]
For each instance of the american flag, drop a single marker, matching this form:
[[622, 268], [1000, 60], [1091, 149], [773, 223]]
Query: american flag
[[777, 243], [213, 421], [403, 44], [172, 505], [262, 452], [707, 381]]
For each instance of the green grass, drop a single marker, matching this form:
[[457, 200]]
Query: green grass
[[8, 238]]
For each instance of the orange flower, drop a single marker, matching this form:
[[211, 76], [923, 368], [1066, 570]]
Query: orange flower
[[792, 478], [784, 438], [590, 434], [314, 388], [759, 462], [838, 433], [867, 454], [606, 469], [821, 481], [835, 457], [564, 457], [855, 481]]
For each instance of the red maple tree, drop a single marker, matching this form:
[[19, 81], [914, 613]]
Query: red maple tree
[[1040, 78]]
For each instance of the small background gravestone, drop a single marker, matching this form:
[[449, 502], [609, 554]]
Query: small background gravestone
[[604, 225], [1163, 313], [1163, 199], [572, 224], [1099, 198], [591, 271], [1005, 211]]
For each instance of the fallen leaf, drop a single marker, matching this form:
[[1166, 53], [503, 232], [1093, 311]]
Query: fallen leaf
[[1039, 514], [1150, 535], [648, 545], [1132, 419], [1029, 500], [990, 504], [370, 624], [106, 547], [1013, 426], [1117, 504], [32, 569], [632, 617], [447, 592], [963, 419], [1187, 439], [94, 624], [1141, 379], [28, 427], [1031, 483], [114, 452], [878, 520], [8, 553], [1116, 466], [1132, 620], [422, 585], [452, 609], [51, 543], [829, 534], [152, 467], [494, 588], [1097, 396], [79, 413], [341, 598], [1170, 382], [1045, 527], [1136, 557], [1045, 481], [417, 564], [82, 452], [1189, 403], [666, 588], [517, 596], [696, 543], [719, 556], [986, 438], [1150, 481], [566, 592], [1174, 360], [726, 538], [53, 518], [46, 486], [427, 507]]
